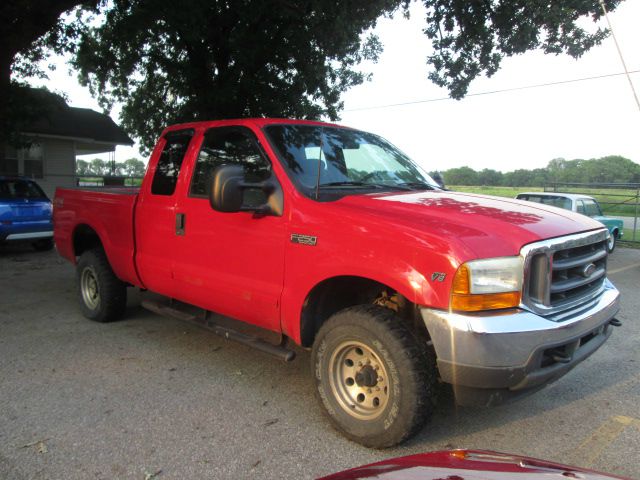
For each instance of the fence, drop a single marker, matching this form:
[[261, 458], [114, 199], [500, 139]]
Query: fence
[[618, 200], [107, 181]]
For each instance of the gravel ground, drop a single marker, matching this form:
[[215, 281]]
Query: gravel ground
[[151, 397]]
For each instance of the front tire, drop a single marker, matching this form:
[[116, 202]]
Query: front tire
[[375, 381], [103, 296]]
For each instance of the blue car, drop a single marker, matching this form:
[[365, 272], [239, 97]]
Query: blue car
[[25, 213]]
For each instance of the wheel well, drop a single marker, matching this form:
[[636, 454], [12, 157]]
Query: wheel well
[[615, 232], [337, 293], [85, 238]]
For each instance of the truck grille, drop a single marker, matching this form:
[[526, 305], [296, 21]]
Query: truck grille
[[565, 273]]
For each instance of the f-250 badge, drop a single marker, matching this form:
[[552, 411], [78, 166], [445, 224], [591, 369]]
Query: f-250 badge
[[304, 239], [438, 277]]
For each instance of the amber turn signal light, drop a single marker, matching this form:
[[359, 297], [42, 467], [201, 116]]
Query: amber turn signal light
[[484, 301]]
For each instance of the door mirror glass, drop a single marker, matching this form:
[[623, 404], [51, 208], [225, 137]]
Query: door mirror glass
[[226, 193], [229, 186]]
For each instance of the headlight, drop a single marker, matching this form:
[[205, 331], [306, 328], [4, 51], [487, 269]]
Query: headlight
[[487, 284]]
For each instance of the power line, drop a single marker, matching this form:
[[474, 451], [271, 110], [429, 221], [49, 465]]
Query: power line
[[491, 92], [624, 65]]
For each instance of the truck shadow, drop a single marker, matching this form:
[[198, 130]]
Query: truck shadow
[[450, 425], [174, 356]]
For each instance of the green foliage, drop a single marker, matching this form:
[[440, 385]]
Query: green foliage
[[83, 167], [131, 167], [489, 177], [461, 176], [610, 169], [470, 38], [169, 62], [30, 31]]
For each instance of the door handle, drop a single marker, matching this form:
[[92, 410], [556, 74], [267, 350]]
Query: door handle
[[180, 222]]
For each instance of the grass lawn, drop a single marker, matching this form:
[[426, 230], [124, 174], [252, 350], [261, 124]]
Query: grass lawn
[[510, 192]]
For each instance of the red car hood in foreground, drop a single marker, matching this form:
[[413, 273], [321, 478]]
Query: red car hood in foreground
[[468, 465], [492, 226]]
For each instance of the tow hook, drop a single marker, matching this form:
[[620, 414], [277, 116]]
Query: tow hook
[[559, 356], [615, 322]]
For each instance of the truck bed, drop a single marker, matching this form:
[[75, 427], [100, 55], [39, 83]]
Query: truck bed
[[109, 212]]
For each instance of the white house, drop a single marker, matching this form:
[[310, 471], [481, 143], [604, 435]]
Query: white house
[[55, 141]]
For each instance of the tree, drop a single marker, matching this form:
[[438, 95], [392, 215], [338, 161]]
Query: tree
[[610, 169], [83, 167], [169, 61], [29, 31], [133, 167], [461, 176], [489, 177], [99, 167], [470, 38]]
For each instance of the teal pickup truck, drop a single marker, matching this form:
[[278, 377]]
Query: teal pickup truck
[[583, 204]]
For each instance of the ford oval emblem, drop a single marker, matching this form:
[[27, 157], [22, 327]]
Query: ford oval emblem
[[588, 270]]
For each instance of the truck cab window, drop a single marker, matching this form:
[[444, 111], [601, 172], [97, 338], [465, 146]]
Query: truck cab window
[[591, 208], [231, 146], [170, 161]]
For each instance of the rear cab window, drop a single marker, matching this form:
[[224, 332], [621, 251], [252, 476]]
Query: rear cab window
[[169, 164]]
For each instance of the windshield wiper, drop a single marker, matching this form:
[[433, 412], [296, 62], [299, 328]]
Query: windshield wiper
[[344, 184], [418, 185], [363, 185]]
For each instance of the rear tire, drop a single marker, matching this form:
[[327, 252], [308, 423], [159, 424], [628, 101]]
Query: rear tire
[[103, 296], [375, 381]]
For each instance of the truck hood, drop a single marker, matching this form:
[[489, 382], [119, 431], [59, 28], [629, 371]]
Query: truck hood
[[487, 226]]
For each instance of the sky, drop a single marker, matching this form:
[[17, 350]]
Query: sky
[[503, 131]]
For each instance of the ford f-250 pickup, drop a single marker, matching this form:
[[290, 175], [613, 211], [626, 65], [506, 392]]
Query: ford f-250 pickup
[[269, 231]]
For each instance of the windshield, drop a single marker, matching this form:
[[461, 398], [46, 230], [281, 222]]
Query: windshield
[[332, 159]]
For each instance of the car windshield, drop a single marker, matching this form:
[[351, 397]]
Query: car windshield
[[13, 189], [338, 159]]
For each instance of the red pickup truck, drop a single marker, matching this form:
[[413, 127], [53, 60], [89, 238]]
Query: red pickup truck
[[274, 231]]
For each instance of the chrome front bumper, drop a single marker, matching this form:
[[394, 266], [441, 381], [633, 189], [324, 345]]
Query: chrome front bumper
[[489, 358]]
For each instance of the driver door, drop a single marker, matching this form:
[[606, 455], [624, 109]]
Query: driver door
[[230, 263]]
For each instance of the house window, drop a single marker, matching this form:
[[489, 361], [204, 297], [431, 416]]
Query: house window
[[9, 161], [34, 161]]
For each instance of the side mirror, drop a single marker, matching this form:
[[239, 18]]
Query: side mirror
[[227, 192]]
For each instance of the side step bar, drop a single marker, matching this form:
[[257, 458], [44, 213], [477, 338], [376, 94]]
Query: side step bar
[[165, 310]]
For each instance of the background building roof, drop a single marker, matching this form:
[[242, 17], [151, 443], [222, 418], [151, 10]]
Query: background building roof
[[62, 120]]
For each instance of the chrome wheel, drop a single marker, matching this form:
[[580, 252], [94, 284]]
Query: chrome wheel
[[358, 380], [611, 242], [89, 288]]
